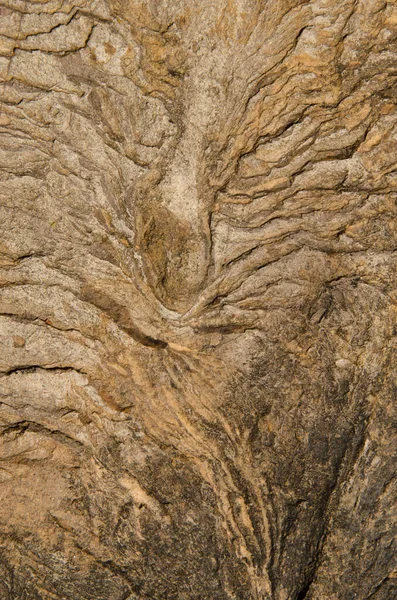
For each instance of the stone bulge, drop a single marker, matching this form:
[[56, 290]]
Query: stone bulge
[[198, 295]]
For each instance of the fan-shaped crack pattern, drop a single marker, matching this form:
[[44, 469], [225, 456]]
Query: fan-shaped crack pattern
[[197, 299]]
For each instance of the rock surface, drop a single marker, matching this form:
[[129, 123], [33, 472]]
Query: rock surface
[[198, 299]]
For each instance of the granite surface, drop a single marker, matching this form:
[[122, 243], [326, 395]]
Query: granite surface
[[198, 299]]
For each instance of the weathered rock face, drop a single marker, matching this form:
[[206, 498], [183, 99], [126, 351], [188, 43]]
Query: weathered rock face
[[198, 299]]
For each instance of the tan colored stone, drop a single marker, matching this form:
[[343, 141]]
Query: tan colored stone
[[198, 299]]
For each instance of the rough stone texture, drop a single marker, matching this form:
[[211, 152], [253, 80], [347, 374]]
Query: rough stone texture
[[198, 299]]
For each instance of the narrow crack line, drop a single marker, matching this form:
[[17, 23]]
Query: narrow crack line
[[34, 368], [378, 587], [20, 427], [46, 32], [142, 338], [34, 320], [60, 52]]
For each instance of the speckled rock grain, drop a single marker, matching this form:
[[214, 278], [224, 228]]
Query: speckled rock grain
[[198, 299]]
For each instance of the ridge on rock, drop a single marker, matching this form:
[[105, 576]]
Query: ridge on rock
[[198, 299]]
